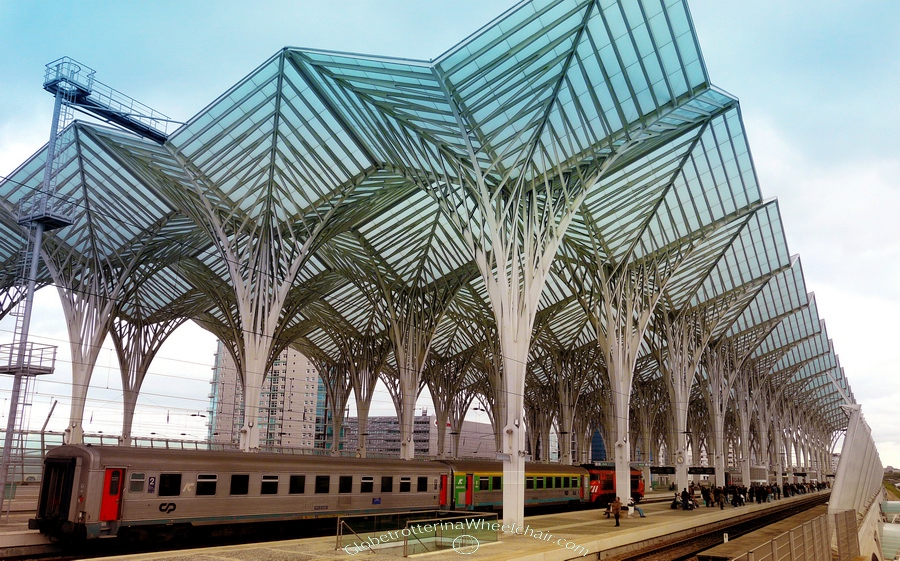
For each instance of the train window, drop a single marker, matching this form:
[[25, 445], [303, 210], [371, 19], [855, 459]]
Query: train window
[[269, 485], [405, 484], [538, 482], [297, 484], [240, 484], [115, 482], [137, 483], [565, 482], [367, 484], [169, 484], [529, 483], [387, 484], [497, 483], [323, 482], [557, 482], [206, 484], [575, 482], [484, 483], [422, 485], [345, 484]]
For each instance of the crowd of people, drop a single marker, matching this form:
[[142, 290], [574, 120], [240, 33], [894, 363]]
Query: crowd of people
[[739, 495], [735, 495]]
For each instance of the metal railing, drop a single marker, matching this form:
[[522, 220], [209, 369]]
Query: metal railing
[[412, 533], [807, 542], [36, 358], [36, 444]]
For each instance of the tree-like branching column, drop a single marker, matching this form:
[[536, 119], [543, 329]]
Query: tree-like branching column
[[568, 372], [264, 205], [540, 412], [722, 363], [137, 340], [620, 302], [648, 405], [365, 356], [336, 378], [446, 380], [684, 337]]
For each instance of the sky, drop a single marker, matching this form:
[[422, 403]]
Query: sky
[[817, 81]]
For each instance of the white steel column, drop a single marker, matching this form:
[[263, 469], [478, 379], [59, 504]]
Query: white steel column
[[685, 338], [742, 405], [628, 300]]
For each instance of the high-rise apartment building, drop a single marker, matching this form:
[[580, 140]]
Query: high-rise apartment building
[[294, 412], [291, 402]]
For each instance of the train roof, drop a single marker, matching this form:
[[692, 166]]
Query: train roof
[[533, 468], [190, 459]]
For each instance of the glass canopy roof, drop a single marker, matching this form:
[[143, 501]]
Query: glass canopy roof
[[352, 164]]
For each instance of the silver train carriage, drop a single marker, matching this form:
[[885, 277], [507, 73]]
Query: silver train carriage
[[102, 491]]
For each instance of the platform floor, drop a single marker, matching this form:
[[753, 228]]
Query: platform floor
[[554, 537]]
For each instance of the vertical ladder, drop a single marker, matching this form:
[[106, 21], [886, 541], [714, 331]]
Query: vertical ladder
[[15, 466], [65, 116]]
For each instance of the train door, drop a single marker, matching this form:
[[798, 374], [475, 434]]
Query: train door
[[459, 491], [470, 491], [443, 491], [56, 488], [462, 491], [594, 486], [111, 500]]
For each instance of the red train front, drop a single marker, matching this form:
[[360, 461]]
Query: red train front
[[603, 484]]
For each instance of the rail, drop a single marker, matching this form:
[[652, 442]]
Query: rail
[[27, 359]]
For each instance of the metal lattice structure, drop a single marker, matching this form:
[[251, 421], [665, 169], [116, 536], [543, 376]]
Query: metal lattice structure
[[562, 202]]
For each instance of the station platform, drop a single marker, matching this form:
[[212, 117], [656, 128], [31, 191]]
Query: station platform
[[551, 537]]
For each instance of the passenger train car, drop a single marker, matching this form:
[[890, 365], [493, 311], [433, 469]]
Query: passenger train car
[[103, 491], [603, 484]]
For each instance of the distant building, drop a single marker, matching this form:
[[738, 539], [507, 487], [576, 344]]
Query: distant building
[[476, 440], [291, 403], [294, 413]]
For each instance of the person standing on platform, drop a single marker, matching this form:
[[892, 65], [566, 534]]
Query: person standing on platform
[[616, 509]]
